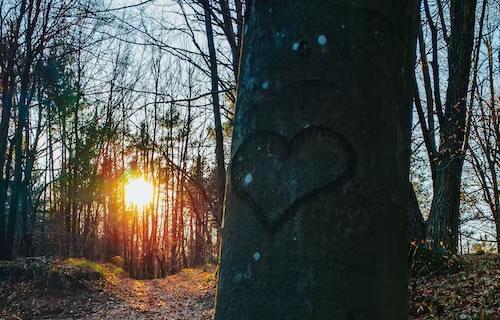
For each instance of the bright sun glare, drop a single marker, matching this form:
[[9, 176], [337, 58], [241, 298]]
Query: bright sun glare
[[138, 192]]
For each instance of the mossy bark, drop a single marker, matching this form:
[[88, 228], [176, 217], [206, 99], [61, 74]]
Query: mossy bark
[[316, 207]]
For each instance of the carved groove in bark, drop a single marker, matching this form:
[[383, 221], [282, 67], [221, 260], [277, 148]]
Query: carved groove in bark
[[274, 188]]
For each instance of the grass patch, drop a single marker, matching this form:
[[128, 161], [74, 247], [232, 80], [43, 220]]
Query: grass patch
[[86, 265], [109, 271], [200, 274]]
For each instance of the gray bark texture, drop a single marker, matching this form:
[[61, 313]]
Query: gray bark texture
[[316, 206]]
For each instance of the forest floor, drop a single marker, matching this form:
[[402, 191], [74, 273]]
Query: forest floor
[[188, 294], [473, 293]]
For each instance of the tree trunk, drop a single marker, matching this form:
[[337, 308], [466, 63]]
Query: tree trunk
[[18, 174], [416, 223], [443, 222], [4, 182], [219, 138], [317, 195], [8, 84], [497, 225]]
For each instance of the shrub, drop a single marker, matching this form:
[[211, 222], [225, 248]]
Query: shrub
[[118, 261], [73, 273]]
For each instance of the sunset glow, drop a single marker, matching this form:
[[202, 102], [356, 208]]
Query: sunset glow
[[138, 192]]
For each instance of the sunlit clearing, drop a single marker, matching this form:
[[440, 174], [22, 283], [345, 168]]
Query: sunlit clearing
[[138, 192]]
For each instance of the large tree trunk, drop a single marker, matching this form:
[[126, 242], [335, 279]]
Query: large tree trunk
[[317, 195], [442, 225], [443, 222]]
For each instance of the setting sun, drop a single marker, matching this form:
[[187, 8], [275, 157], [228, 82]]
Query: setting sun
[[138, 192]]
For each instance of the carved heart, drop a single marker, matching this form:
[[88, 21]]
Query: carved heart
[[274, 176]]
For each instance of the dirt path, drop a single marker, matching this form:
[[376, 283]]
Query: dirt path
[[188, 295]]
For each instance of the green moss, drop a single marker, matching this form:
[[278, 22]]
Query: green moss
[[85, 265], [118, 261]]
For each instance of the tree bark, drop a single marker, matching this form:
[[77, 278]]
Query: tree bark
[[8, 84], [219, 137], [227, 28], [4, 182], [318, 184], [416, 223], [443, 222]]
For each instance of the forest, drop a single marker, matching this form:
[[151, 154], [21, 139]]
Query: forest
[[299, 150]]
